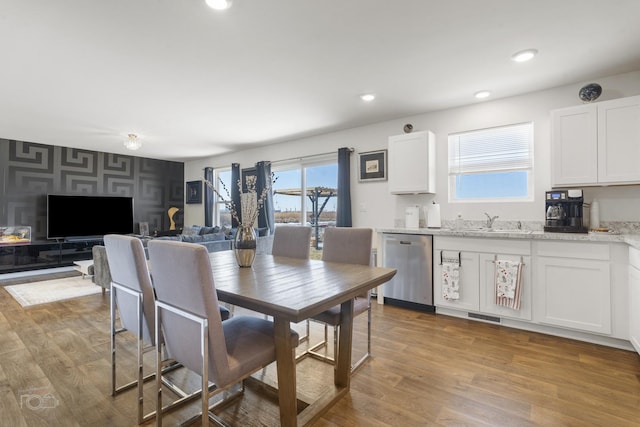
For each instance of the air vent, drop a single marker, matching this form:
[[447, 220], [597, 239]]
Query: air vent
[[484, 317]]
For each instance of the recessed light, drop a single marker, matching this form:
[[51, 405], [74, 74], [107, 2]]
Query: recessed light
[[482, 94], [524, 55], [218, 4], [368, 97]]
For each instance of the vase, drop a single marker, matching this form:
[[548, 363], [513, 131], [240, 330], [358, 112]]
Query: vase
[[245, 245]]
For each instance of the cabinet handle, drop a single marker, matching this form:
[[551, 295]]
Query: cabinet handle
[[404, 242]]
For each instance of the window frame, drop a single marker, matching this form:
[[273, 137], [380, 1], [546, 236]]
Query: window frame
[[452, 176]]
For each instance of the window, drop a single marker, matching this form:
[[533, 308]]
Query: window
[[492, 164], [306, 194], [222, 215]]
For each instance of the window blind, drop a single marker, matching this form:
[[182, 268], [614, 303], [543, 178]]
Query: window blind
[[500, 149]]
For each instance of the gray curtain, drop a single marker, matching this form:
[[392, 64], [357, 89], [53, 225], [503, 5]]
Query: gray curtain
[[343, 214], [266, 218], [235, 192], [208, 198]]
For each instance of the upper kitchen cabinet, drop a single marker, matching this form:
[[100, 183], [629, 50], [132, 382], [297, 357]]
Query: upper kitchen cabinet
[[596, 144], [412, 163]]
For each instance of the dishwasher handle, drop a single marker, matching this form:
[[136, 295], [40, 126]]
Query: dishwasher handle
[[404, 242]]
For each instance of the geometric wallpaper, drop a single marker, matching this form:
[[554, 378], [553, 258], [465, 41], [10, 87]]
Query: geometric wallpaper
[[30, 171]]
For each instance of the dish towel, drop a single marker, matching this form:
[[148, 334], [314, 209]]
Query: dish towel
[[450, 281], [508, 283]]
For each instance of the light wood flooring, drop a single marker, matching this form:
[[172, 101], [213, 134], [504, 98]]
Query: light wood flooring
[[427, 369]]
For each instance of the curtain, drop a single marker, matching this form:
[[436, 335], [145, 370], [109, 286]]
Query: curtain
[[208, 197], [266, 217], [235, 192], [343, 214]]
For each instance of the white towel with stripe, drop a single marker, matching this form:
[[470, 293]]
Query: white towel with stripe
[[450, 281], [508, 283]]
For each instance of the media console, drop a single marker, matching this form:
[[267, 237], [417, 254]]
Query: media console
[[44, 254]]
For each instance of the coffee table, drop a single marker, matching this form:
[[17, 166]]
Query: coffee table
[[83, 267]]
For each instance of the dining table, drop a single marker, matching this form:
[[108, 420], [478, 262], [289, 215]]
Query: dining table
[[292, 290]]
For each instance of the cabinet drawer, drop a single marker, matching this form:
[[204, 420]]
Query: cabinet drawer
[[581, 250], [480, 244]]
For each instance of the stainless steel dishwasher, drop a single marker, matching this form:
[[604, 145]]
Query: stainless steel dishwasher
[[411, 255]]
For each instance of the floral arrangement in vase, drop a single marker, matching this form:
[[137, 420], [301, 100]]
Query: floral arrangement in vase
[[250, 203]]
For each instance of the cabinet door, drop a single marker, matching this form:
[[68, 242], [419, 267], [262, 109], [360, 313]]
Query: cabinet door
[[619, 141], [469, 289], [634, 298], [488, 288], [574, 293], [412, 166], [574, 146]]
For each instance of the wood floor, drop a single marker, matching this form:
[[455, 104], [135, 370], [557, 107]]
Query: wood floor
[[427, 369]]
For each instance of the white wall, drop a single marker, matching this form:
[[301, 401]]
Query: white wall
[[373, 206]]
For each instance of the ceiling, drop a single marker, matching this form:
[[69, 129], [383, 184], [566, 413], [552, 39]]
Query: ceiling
[[194, 82]]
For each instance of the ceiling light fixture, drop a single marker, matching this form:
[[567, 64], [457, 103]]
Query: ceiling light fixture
[[368, 97], [524, 55], [218, 4], [132, 142], [482, 94]]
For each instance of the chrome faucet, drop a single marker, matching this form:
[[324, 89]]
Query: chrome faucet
[[490, 220]]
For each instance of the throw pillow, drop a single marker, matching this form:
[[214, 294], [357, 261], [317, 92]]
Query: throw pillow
[[192, 238], [191, 230], [211, 237], [208, 230]]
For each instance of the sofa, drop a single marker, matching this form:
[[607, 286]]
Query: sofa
[[217, 239]]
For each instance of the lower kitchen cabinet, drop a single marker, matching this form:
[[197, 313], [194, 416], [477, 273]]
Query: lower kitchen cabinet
[[469, 274], [477, 291], [487, 285], [634, 298], [573, 286]]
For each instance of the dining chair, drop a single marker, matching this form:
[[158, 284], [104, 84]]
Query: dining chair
[[293, 241], [351, 246], [132, 295], [223, 353]]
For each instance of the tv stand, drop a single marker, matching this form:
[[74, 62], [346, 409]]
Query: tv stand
[[45, 254]]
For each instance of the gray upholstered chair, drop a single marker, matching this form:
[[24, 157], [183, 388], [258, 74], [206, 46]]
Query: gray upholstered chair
[[292, 241], [222, 353], [352, 246], [133, 295], [101, 274]]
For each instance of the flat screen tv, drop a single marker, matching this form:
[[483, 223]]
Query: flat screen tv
[[88, 216]]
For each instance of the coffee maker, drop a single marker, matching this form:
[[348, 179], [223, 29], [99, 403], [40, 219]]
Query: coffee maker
[[563, 211]]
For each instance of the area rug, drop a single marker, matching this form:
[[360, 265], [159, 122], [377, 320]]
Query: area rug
[[36, 293]]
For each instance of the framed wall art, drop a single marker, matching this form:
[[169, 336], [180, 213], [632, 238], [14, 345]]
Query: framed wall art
[[373, 166], [194, 192]]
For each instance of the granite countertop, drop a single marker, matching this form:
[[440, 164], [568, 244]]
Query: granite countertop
[[630, 237]]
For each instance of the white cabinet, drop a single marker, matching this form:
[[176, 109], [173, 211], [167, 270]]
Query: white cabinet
[[469, 295], [488, 303], [574, 148], [573, 286], [596, 144], [634, 298], [478, 274], [412, 163]]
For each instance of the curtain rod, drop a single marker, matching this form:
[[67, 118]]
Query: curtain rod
[[311, 156]]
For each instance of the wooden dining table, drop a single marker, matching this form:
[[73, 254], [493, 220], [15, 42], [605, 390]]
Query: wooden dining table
[[293, 290]]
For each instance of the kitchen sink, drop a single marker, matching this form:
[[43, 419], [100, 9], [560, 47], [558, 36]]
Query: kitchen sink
[[494, 230], [514, 231]]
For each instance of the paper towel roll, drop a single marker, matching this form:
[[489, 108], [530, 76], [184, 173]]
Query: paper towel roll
[[433, 215], [594, 215]]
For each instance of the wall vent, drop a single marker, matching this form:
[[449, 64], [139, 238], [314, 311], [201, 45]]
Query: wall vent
[[484, 317]]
